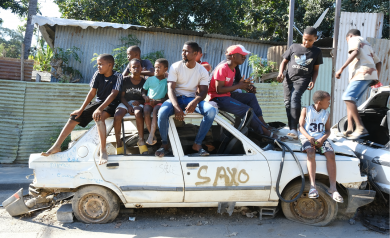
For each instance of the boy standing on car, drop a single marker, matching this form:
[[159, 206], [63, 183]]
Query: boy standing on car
[[364, 69], [105, 84], [184, 79], [314, 127], [134, 52]]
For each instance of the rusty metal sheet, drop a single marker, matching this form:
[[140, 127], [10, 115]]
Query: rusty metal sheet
[[370, 25], [275, 54], [10, 69]]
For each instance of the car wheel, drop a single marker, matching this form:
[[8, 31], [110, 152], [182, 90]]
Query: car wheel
[[95, 204], [317, 212]]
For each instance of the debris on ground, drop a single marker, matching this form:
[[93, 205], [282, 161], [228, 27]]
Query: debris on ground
[[232, 234], [131, 218], [118, 225], [251, 214]]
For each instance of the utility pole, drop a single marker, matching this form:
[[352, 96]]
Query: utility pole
[[290, 23], [334, 54]]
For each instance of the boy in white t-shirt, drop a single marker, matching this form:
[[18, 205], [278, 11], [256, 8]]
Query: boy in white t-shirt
[[314, 127]]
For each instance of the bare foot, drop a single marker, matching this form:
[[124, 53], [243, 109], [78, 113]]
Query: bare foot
[[140, 142], [51, 151], [151, 140], [103, 158], [160, 153]]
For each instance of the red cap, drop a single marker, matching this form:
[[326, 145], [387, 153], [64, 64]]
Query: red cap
[[234, 49]]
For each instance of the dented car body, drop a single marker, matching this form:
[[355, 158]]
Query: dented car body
[[240, 173]]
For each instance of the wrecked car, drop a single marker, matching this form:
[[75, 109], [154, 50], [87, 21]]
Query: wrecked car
[[373, 150], [238, 172]]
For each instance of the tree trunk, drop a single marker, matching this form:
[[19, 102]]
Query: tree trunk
[[32, 10]]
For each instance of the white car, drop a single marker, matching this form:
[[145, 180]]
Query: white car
[[237, 173], [373, 150]]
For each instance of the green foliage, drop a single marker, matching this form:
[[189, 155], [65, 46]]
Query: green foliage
[[120, 53], [371, 6], [153, 56], [10, 43], [18, 7], [42, 57], [63, 72], [261, 66]]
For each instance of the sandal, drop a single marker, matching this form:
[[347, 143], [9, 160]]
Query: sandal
[[313, 193], [336, 196], [162, 151], [357, 135], [142, 149], [153, 143], [120, 151], [293, 135], [347, 133], [202, 152]]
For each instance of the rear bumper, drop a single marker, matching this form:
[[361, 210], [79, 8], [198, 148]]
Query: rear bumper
[[358, 198]]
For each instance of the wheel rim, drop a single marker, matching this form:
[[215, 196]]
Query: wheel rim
[[309, 210], [93, 207]]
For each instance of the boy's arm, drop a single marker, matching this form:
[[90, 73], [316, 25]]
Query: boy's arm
[[179, 114], [145, 95], [124, 101], [220, 85], [282, 67], [327, 134], [314, 77], [97, 114], [91, 94], [302, 129], [351, 57]]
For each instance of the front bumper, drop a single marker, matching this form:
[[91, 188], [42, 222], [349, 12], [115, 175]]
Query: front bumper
[[358, 198]]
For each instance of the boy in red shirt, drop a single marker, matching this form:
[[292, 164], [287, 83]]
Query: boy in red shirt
[[221, 86]]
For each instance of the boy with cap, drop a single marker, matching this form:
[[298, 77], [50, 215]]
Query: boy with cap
[[221, 86], [364, 69], [105, 84]]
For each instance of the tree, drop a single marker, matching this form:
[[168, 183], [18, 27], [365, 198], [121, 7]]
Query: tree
[[17, 7], [10, 42], [32, 10]]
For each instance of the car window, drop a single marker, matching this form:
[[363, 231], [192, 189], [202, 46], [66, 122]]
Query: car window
[[131, 139], [218, 141]]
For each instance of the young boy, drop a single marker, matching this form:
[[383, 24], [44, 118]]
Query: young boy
[[157, 94], [364, 70], [131, 102], [105, 84], [134, 52], [314, 127], [206, 65], [303, 63]]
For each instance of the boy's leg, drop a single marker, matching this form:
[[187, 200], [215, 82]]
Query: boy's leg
[[148, 110], [331, 167], [139, 118], [311, 166], [101, 125], [287, 90], [208, 113], [164, 113], [152, 138], [119, 114], [68, 128], [299, 87]]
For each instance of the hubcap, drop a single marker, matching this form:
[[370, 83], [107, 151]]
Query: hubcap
[[93, 207]]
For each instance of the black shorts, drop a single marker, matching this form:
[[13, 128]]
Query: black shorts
[[326, 146], [86, 117]]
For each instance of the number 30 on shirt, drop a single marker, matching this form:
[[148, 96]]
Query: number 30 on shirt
[[314, 127]]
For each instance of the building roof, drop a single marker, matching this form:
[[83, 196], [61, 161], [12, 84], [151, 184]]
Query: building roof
[[52, 21]]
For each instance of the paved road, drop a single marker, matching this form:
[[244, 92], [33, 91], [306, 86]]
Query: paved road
[[180, 222]]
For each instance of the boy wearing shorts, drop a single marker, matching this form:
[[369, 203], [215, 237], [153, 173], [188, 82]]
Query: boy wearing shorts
[[303, 63], [364, 69], [314, 127], [105, 84], [157, 94], [132, 103]]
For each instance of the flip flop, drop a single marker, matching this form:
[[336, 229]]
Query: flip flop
[[347, 133], [293, 135], [336, 196], [120, 151], [202, 152], [313, 193], [163, 151], [355, 135], [153, 143], [142, 149]]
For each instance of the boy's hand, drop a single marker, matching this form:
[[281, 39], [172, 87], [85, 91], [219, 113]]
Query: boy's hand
[[97, 114], [244, 83], [179, 114], [312, 141], [319, 142], [130, 110], [153, 102], [77, 113], [147, 99], [338, 73], [310, 86], [136, 103], [252, 89], [279, 78], [191, 106]]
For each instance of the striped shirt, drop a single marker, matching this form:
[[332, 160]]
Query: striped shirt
[[105, 85]]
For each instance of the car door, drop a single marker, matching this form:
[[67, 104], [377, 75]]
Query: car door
[[219, 177], [146, 178]]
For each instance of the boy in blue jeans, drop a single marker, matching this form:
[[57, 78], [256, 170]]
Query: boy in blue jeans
[[364, 69]]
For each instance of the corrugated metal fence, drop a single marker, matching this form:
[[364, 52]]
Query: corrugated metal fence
[[370, 25], [32, 114], [104, 40]]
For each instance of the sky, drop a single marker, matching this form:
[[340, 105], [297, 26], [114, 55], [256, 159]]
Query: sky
[[48, 9]]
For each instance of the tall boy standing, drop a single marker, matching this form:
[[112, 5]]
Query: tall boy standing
[[303, 63], [134, 52], [105, 84], [364, 69]]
